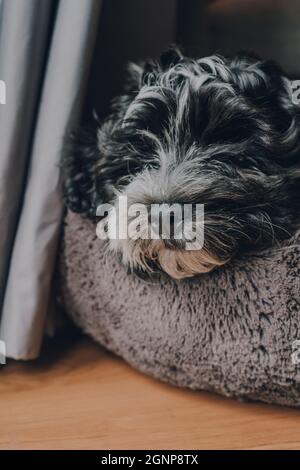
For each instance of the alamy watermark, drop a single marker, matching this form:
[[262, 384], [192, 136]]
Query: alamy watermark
[[154, 222], [295, 91], [2, 353], [2, 92]]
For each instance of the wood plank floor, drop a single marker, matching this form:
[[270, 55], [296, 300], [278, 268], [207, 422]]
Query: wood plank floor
[[77, 396]]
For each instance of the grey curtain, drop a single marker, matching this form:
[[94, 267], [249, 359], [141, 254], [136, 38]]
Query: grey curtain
[[46, 48], [45, 52]]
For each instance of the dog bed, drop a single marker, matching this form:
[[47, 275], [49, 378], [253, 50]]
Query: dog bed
[[234, 331]]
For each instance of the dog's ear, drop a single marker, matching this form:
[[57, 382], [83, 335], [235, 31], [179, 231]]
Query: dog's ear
[[265, 85], [79, 158], [256, 78]]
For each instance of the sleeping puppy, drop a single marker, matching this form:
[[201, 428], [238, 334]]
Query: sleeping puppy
[[220, 132]]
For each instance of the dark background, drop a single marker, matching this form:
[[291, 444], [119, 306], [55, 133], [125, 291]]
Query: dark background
[[138, 29]]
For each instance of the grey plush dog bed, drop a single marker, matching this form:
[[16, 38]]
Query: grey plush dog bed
[[232, 331]]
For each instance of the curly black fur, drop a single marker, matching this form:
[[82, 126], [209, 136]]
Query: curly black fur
[[230, 126]]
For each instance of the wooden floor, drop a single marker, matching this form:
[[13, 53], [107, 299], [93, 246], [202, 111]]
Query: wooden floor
[[79, 397]]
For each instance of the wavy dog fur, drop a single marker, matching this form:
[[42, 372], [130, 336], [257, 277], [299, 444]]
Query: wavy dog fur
[[217, 131]]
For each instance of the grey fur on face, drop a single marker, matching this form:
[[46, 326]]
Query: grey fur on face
[[214, 131]]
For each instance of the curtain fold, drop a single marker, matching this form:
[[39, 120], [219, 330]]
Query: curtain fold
[[44, 58], [23, 42]]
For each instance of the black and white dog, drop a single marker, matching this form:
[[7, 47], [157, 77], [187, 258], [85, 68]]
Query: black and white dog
[[220, 132]]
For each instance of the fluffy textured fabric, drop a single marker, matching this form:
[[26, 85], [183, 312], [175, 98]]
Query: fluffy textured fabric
[[232, 331]]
